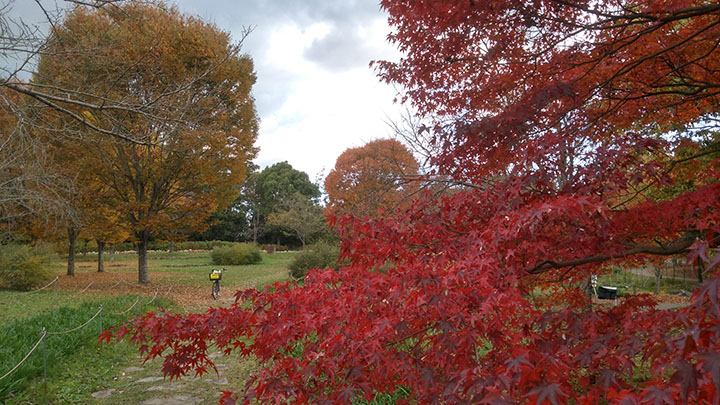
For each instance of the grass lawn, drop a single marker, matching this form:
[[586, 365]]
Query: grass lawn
[[192, 268], [14, 305], [186, 272], [628, 281], [181, 277]]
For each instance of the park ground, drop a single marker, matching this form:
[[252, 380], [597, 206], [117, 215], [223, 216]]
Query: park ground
[[115, 374]]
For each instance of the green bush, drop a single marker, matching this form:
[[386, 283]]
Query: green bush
[[236, 254], [23, 267], [317, 256]]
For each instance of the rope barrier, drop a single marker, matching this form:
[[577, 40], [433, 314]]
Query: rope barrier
[[122, 281], [85, 289], [78, 327], [153, 298], [136, 285], [26, 356], [155, 295], [137, 299], [40, 289], [98, 313]]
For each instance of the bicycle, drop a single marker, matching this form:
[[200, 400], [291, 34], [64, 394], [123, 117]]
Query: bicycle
[[215, 277]]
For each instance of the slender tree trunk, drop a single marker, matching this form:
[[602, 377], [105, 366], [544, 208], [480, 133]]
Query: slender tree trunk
[[700, 269], [84, 246], [172, 246], [112, 252], [658, 277], [143, 237], [586, 286], [101, 263], [674, 265], [72, 236], [255, 222]]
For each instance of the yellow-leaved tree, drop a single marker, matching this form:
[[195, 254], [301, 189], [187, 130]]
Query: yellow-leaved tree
[[186, 121]]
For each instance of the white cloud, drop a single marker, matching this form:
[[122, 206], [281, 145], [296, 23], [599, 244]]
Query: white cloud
[[323, 115], [315, 94]]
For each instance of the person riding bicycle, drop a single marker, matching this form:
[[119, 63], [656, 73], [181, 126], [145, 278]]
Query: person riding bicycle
[[215, 277]]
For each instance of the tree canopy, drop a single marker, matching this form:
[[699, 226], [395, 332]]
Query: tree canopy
[[300, 217], [280, 182], [583, 134], [376, 177], [185, 163], [264, 193]]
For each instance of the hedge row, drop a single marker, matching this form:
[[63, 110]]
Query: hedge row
[[161, 245]]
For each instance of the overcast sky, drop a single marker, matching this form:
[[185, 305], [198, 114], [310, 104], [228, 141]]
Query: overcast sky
[[315, 94]]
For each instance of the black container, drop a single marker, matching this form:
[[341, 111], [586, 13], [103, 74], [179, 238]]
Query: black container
[[607, 293]]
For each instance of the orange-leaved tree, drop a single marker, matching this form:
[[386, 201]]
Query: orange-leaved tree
[[185, 90], [372, 179]]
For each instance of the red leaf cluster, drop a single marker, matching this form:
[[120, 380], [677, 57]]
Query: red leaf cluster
[[583, 134]]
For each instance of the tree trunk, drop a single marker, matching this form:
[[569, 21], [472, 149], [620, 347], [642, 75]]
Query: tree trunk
[[587, 287], [172, 246], [700, 269], [255, 222], [112, 252], [143, 237], [658, 277], [674, 265], [101, 263], [72, 236]]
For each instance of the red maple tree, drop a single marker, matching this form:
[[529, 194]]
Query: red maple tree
[[584, 133]]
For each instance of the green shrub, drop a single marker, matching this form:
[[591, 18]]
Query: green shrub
[[317, 256], [23, 267], [236, 254]]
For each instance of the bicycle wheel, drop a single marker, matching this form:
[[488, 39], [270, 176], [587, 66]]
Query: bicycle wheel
[[216, 290]]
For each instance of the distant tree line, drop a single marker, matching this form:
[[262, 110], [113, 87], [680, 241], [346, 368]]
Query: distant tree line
[[277, 205]]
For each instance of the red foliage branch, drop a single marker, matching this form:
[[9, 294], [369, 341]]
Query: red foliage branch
[[578, 120], [452, 320]]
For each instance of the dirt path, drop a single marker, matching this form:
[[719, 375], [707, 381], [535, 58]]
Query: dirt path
[[133, 382], [144, 384], [138, 383]]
